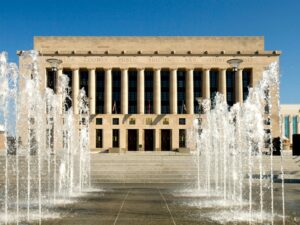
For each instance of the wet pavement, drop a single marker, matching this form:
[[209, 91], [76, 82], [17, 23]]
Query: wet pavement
[[162, 205]]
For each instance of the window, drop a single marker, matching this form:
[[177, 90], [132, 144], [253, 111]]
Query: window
[[51, 79], [132, 91], [115, 121], [116, 91], [247, 73], [295, 124], [99, 121], [181, 107], [100, 91], [115, 137], [230, 87], [68, 102], [148, 91], [182, 142], [182, 121], [99, 139], [287, 126], [267, 121], [197, 88], [214, 74], [84, 79], [165, 91]]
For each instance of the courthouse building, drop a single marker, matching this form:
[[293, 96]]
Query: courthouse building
[[142, 90]]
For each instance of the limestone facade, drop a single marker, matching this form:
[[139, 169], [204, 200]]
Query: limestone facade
[[170, 55], [290, 121]]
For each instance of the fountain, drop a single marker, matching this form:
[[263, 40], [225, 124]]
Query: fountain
[[44, 144], [232, 149]]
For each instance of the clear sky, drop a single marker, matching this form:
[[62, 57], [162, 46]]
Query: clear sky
[[277, 20]]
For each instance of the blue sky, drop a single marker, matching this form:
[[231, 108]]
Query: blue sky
[[277, 20]]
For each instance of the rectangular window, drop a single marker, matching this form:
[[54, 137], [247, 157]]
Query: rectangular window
[[182, 137], [230, 87], [83, 80], [115, 121], [181, 107], [99, 121], [116, 91], [99, 139], [214, 75], [295, 125], [287, 126], [197, 88], [132, 91], [100, 91], [247, 73], [68, 102], [165, 91], [51, 79], [181, 121], [115, 137], [148, 91]]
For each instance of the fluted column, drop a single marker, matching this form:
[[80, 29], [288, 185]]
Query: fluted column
[[173, 91], [124, 91], [108, 91], [92, 90], [157, 91], [206, 84], [222, 83], [75, 89], [239, 86], [189, 90], [141, 91]]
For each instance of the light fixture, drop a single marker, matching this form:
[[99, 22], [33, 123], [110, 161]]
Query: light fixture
[[234, 63], [54, 63]]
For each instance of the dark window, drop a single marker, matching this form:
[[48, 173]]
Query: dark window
[[267, 121], [116, 91], [165, 91], [214, 75], [99, 138], [182, 137], [100, 91], [115, 139], [148, 91], [99, 121], [230, 87], [84, 79], [68, 101], [132, 91], [115, 121], [181, 108], [51, 79], [197, 88], [247, 73], [182, 121]]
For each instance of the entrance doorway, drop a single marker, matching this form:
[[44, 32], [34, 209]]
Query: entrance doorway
[[149, 140], [132, 140], [166, 140]]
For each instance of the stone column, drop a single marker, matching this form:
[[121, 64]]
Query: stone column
[[157, 140], [141, 91], [92, 90], [157, 91], [108, 91], [239, 86], [124, 91], [206, 84], [222, 83], [173, 91], [75, 89], [298, 125], [189, 91], [141, 140]]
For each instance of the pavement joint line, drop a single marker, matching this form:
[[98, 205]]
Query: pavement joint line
[[167, 206], [117, 217]]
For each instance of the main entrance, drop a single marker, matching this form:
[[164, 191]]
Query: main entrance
[[132, 140], [149, 140], [165, 140]]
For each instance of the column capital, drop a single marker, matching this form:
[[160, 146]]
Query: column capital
[[157, 68], [223, 68], [140, 69], [124, 68], [189, 68], [91, 68], [74, 68], [206, 69], [107, 68]]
